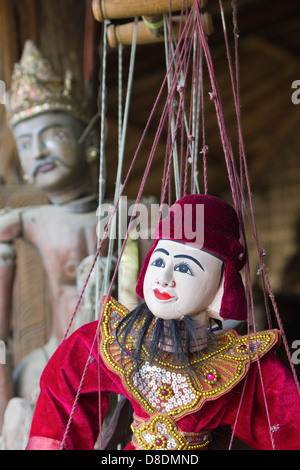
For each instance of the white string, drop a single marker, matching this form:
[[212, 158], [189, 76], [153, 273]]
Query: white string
[[120, 114], [120, 93], [101, 196], [122, 140], [122, 128], [102, 160], [103, 105], [126, 112]]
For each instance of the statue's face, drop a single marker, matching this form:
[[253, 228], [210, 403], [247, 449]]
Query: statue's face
[[49, 151], [181, 280]]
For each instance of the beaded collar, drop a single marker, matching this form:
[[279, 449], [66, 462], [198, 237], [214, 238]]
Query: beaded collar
[[164, 387]]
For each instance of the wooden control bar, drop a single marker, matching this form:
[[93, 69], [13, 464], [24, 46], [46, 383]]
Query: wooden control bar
[[123, 34], [116, 9]]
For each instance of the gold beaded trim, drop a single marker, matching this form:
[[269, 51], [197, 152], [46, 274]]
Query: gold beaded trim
[[165, 387], [48, 107], [160, 432]]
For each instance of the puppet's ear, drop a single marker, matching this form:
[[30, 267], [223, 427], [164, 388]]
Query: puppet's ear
[[213, 310]]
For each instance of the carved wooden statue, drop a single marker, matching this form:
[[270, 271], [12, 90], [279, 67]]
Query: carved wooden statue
[[47, 123]]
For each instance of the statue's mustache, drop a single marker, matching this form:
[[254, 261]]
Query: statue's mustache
[[46, 160]]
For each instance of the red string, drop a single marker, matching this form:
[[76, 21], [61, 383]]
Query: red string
[[194, 112], [143, 182], [179, 62], [204, 147], [261, 252], [243, 168], [180, 58], [146, 172]]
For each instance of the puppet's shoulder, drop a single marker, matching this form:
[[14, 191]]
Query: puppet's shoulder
[[218, 369], [228, 345], [112, 312], [247, 347]]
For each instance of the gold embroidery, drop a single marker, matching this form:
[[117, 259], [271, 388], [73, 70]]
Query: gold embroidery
[[166, 388], [160, 432]]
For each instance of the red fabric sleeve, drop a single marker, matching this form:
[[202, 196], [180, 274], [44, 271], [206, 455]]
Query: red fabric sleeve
[[59, 384], [283, 404], [43, 443]]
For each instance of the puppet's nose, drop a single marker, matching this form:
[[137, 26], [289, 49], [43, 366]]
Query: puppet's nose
[[165, 279]]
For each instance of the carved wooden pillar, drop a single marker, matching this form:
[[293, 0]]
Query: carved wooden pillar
[[18, 22], [8, 40]]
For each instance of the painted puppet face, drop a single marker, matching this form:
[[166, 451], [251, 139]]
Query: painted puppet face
[[181, 280]]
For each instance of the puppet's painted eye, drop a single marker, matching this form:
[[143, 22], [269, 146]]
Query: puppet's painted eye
[[159, 263], [184, 268]]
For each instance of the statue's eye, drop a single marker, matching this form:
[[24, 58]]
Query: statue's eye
[[60, 135], [24, 144], [159, 263], [184, 268]]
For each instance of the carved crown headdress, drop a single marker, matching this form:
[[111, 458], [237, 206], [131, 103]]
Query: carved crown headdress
[[36, 89]]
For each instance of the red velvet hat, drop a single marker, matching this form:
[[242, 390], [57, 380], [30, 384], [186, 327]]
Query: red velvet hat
[[219, 234]]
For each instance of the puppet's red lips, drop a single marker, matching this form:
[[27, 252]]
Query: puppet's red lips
[[162, 295]]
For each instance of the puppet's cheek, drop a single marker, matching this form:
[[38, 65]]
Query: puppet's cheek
[[166, 309]]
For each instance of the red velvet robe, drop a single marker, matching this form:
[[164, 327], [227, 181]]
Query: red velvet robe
[[63, 376]]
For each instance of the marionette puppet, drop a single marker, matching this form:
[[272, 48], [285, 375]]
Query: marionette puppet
[[182, 379]]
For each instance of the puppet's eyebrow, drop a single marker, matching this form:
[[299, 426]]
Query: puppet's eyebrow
[[191, 258], [162, 251]]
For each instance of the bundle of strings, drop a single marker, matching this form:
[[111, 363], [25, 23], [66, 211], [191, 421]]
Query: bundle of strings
[[184, 83]]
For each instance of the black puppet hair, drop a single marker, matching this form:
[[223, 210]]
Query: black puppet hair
[[141, 325]]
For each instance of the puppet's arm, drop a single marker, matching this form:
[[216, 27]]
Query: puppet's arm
[[60, 382], [7, 276], [275, 426]]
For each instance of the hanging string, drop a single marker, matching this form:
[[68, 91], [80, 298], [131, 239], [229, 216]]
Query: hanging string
[[204, 146], [190, 125], [108, 227], [181, 58], [189, 154], [235, 90], [120, 119], [243, 169], [103, 104], [149, 162], [261, 253], [173, 149], [196, 114], [143, 182], [122, 141], [102, 154], [235, 178], [236, 184]]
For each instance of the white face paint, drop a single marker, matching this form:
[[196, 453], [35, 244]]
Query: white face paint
[[181, 280]]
